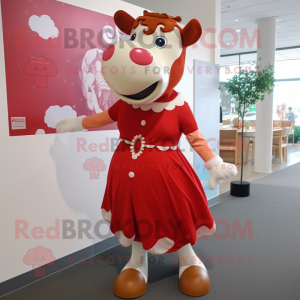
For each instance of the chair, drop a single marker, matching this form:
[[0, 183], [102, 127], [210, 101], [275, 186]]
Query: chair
[[236, 122], [290, 124], [226, 122], [252, 144], [228, 144], [280, 141]]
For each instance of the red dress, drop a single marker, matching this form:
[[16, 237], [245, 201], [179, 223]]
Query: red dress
[[158, 194]]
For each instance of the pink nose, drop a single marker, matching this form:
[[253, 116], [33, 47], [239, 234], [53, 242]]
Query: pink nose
[[108, 53], [141, 56]]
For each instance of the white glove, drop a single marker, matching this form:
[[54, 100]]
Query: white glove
[[219, 171], [73, 124]]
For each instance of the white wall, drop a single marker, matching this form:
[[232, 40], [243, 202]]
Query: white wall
[[42, 178]]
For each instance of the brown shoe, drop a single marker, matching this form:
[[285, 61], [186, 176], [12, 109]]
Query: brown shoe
[[130, 284], [194, 281]]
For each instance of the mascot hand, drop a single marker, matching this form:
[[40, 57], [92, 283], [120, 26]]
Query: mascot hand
[[219, 171], [74, 124]]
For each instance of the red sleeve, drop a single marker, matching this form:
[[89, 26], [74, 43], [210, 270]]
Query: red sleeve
[[187, 120], [113, 111]]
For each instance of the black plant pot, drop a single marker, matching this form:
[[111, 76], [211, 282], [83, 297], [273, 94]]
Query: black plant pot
[[240, 190]]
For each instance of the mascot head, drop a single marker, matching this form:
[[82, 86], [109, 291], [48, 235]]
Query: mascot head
[[150, 64]]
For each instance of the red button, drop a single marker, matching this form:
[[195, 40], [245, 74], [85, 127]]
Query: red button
[[141, 56], [108, 53]]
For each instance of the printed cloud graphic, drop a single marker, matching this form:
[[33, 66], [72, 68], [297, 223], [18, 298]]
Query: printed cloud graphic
[[44, 26], [56, 113], [39, 257], [40, 68], [40, 131], [94, 165]]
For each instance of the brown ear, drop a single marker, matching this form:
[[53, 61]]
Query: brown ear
[[124, 21], [191, 33]]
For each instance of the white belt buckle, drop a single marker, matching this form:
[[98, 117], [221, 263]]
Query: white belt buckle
[[135, 155], [132, 143]]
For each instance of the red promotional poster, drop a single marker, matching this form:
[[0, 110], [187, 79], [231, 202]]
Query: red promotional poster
[[53, 54]]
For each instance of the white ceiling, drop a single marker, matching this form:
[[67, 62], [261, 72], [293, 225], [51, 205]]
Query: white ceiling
[[246, 12]]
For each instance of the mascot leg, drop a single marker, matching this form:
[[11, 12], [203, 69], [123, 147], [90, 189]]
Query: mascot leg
[[132, 281], [193, 276]]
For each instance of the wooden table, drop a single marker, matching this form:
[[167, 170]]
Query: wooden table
[[247, 132]]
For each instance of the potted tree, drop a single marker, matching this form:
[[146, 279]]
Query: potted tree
[[248, 87]]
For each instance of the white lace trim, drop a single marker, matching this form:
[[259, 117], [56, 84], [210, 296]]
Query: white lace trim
[[160, 106]]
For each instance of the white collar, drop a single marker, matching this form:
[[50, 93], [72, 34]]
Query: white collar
[[160, 106]]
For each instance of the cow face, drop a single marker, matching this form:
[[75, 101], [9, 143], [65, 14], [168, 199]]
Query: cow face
[[151, 63]]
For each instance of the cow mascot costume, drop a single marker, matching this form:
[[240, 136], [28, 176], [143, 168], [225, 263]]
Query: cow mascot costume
[[154, 200]]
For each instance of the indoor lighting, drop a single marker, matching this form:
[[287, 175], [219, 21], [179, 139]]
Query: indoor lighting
[[236, 20], [238, 30]]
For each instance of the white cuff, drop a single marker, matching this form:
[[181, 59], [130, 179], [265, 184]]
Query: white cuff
[[214, 161], [78, 123]]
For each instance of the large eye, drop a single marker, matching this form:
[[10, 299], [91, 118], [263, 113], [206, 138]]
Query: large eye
[[45, 68], [36, 68], [133, 36], [160, 42]]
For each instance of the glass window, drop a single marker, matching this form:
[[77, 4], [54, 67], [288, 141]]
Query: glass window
[[229, 66], [286, 69], [247, 61], [287, 64], [287, 89], [286, 94]]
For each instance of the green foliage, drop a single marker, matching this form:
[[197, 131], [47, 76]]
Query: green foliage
[[249, 86], [297, 135], [247, 123]]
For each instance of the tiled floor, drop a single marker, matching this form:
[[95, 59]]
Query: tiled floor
[[249, 174]]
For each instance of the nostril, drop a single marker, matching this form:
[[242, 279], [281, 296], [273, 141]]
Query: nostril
[[108, 53], [141, 56]]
